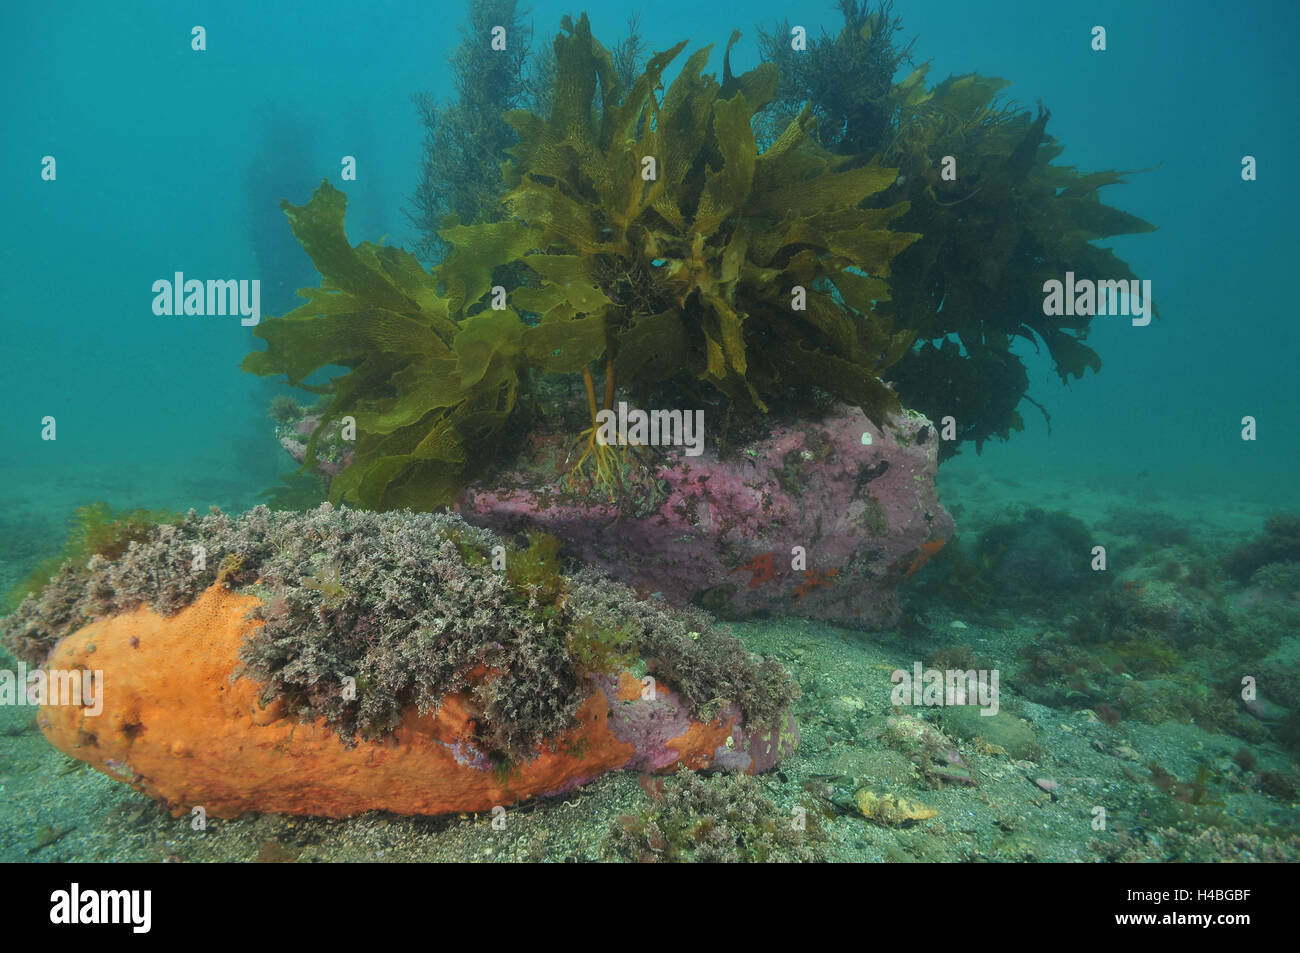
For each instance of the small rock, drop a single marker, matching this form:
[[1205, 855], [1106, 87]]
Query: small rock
[[891, 810], [1265, 710], [1004, 730]]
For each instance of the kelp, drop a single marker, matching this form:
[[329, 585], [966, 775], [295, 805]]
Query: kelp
[[644, 236], [847, 76], [465, 138], [1010, 220], [429, 389], [980, 387], [758, 273], [692, 267]]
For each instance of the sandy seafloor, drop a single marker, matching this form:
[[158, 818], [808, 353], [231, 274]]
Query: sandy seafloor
[[56, 809]]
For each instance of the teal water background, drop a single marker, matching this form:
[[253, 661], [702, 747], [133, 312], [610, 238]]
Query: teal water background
[[173, 160]]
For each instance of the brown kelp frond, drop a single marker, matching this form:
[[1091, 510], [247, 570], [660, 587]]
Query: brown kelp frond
[[658, 215], [428, 388]]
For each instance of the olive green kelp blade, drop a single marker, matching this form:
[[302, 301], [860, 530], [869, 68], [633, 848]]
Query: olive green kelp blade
[[656, 215], [430, 395]]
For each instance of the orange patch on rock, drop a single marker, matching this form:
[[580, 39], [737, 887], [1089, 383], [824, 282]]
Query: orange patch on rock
[[926, 553], [761, 568], [697, 747], [814, 579], [176, 726], [629, 687]]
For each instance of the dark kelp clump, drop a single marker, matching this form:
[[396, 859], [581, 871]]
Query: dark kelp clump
[[1280, 543], [410, 606], [990, 237]]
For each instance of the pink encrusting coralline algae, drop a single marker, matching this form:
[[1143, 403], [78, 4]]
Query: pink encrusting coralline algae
[[821, 519]]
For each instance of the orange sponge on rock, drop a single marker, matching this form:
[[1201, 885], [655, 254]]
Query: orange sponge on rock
[[178, 724]]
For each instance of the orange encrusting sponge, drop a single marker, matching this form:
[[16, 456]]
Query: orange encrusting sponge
[[177, 726]]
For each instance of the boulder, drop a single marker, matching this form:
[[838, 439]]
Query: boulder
[[337, 661], [178, 725], [821, 519]]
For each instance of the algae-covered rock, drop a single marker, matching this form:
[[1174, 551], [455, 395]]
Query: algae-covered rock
[[1040, 557], [404, 662], [889, 809], [1003, 730], [858, 500], [1279, 544], [718, 819]]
